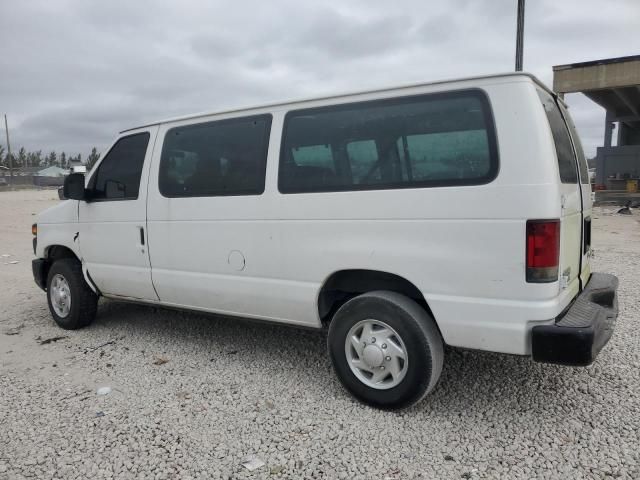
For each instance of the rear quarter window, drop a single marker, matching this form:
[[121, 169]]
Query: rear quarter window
[[582, 160], [431, 140], [564, 150]]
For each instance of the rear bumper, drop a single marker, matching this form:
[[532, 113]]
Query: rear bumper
[[578, 335], [38, 266]]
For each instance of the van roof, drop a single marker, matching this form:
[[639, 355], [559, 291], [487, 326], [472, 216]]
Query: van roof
[[344, 95]]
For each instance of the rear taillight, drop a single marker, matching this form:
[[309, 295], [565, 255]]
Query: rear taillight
[[543, 250]]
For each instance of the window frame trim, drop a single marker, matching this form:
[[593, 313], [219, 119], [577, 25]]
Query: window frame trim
[[266, 140], [93, 178], [492, 142]]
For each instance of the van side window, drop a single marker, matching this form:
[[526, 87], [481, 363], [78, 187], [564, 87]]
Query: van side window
[[118, 175], [421, 141], [561, 139], [225, 157]]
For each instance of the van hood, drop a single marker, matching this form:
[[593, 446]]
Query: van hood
[[64, 212]]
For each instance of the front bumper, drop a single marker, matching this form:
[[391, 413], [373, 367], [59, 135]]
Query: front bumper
[[578, 335], [39, 268]]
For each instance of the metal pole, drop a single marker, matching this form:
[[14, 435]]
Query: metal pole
[[520, 36], [6, 129]]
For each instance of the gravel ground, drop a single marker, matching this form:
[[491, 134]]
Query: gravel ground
[[193, 395]]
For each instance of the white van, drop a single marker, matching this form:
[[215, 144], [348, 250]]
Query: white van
[[454, 213]]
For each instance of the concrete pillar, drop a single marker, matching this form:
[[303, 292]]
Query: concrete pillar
[[608, 129], [601, 176], [601, 170]]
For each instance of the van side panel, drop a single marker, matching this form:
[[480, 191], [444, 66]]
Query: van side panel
[[463, 247]]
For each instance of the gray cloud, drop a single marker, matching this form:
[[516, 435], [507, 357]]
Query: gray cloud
[[74, 73]]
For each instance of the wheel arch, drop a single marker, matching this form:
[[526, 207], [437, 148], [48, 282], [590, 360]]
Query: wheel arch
[[343, 285], [57, 252]]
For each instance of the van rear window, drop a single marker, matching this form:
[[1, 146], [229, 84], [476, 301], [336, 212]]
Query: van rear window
[[564, 151], [410, 142], [582, 160]]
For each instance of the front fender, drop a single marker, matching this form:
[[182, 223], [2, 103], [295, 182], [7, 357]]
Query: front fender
[[58, 225]]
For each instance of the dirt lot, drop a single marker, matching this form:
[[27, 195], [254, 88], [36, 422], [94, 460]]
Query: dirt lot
[[192, 395]]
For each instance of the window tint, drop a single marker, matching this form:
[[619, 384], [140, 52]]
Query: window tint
[[363, 158], [429, 140], [118, 175], [564, 150], [314, 156], [226, 157], [434, 155]]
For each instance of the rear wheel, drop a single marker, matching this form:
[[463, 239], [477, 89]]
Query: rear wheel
[[385, 349], [71, 301]]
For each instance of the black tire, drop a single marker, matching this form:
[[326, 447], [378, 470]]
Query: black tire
[[416, 328], [84, 302]]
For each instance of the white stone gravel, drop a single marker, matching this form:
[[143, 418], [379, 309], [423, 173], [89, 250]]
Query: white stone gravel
[[231, 389]]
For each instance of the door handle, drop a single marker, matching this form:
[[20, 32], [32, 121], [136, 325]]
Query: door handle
[[141, 236]]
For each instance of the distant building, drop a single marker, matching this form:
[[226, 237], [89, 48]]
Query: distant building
[[76, 166], [614, 84], [50, 176]]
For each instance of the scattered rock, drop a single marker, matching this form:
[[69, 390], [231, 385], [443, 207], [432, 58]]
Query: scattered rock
[[275, 470], [183, 395], [625, 211], [103, 391], [160, 360], [91, 349], [14, 330], [52, 339], [252, 462]]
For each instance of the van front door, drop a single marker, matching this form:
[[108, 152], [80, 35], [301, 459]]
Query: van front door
[[112, 223]]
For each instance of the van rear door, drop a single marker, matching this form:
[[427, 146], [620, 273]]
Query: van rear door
[[585, 188], [571, 197]]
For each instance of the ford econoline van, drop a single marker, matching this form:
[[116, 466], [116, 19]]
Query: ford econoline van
[[453, 213]]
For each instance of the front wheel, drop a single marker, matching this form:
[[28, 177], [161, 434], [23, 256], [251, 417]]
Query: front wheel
[[385, 349], [71, 301]]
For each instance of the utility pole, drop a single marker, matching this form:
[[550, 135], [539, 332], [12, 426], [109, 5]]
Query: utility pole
[[520, 36], [6, 129]]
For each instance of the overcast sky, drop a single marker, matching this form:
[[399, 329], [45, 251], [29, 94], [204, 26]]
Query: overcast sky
[[74, 73]]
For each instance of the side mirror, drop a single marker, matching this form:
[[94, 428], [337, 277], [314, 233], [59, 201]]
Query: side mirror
[[74, 187]]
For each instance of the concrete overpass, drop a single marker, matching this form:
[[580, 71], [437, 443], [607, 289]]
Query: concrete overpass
[[614, 84]]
